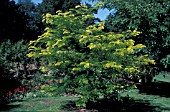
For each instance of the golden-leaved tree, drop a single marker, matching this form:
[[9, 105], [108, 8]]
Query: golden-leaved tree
[[85, 59]]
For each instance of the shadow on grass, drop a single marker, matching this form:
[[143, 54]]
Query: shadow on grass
[[8, 107], [156, 88], [125, 105]]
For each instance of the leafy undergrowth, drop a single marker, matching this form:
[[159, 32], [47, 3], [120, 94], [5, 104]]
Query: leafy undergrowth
[[152, 98]]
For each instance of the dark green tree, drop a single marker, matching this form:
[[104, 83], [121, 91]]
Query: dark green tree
[[12, 23], [51, 6], [34, 20], [151, 18], [35, 13]]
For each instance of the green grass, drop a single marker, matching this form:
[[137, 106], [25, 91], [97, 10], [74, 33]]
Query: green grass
[[147, 101], [160, 103], [158, 98], [162, 77], [40, 104]]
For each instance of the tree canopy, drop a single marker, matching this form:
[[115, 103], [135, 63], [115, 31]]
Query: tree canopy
[[13, 22]]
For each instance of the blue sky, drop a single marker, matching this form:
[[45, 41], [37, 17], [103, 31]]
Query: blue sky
[[101, 14]]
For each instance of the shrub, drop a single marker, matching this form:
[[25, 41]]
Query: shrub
[[87, 60], [15, 70]]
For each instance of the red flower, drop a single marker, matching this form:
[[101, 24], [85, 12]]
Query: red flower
[[9, 93], [23, 89], [16, 90]]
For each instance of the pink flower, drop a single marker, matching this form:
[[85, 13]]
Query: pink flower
[[38, 88], [9, 93]]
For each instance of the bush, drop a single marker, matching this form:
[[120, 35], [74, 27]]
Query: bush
[[87, 60], [16, 71]]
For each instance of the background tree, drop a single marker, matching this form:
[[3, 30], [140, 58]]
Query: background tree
[[151, 18], [13, 22], [34, 19], [51, 6], [35, 13]]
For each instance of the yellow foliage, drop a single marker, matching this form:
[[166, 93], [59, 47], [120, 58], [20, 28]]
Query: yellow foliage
[[31, 54], [99, 4], [59, 63], [61, 52], [86, 64], [139, 46], [118, 42], [66, 32], [101, 26], [129, 42], [78, 6], [43, 69], [134, 86], [31, 42], [88, 31], [152, 62], [76, 69], [92, 46], [59, 43], [112, 65], [59, 11], [45, 52], [131, 69], [119, 35], [32, 48], [81, 6], [130, 49], [85, 81], [135, 33]]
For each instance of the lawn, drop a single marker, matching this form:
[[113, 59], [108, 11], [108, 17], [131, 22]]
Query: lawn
[[153, 98], [40, 104]]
